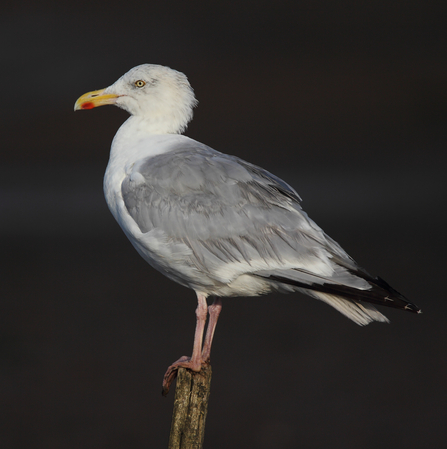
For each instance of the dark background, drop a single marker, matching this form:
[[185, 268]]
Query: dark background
[[347, 101]]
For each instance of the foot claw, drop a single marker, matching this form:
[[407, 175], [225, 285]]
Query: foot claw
[[171, 374]]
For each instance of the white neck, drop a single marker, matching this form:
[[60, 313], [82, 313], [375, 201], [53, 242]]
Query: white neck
[[137, 128]]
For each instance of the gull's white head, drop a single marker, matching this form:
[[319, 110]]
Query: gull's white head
[[160, 95]]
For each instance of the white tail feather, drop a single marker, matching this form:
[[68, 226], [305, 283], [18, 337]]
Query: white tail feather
[[360, 313]]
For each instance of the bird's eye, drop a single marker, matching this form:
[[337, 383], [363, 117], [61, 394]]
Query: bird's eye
[[140, 83]]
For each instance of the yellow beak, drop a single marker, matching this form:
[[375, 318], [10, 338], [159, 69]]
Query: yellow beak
[[94, 99]]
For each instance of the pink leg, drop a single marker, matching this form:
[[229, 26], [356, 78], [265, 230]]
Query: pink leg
[[214, 311], [195, 361]]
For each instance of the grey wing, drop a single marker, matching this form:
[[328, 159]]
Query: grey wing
[[237, 220]]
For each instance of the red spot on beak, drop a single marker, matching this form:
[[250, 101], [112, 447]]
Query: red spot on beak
[[87, 105]]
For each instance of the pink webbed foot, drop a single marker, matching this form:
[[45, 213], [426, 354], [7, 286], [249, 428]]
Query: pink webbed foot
[[171, 372]]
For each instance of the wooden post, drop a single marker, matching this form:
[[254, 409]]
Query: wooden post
[[192, 392]]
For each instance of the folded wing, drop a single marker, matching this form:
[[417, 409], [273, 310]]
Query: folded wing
[[239, 220]]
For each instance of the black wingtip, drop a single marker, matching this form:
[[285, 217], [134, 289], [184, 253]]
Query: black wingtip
[[395, 295], [381, 293]]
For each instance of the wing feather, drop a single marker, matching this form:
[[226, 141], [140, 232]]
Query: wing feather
[[239, 219]]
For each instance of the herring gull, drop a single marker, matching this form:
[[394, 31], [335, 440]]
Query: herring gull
[[213, 222]]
